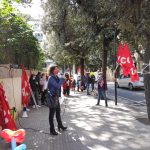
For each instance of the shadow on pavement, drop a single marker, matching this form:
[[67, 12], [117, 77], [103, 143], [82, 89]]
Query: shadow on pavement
[[145, 121]]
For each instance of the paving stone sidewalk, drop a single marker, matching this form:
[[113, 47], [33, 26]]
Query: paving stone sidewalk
[[90, 127]]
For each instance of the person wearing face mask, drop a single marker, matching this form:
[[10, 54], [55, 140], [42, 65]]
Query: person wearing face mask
[[54, 87]]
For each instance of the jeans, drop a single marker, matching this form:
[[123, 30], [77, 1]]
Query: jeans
[[92, 84], [51, 118], [87, 87], [100, 94]]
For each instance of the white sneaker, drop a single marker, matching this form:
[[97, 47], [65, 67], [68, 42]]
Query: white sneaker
[[33, 106], [28, 109], [38, 106]]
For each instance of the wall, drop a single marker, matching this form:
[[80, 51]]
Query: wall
[[12, 87], [10, 78]]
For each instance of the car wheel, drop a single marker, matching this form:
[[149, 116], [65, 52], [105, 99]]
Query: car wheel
[[130, 86]]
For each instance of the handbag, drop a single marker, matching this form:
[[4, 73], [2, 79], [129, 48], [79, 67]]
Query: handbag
[[53, 101]]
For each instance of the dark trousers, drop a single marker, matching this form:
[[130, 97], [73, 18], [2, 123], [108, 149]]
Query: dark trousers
[[52, 112], [92, 84], [100, 94], [44, 97], [67, 90]]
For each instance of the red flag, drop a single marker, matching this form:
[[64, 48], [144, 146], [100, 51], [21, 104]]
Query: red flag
[[126, 62], [119, 54], [133, 74], [25, 87], [5, 114]]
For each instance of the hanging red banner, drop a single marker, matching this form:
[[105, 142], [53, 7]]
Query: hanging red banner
[[25, 88], [6, 119]]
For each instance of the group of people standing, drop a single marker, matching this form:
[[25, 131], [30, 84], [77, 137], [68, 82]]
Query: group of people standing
[[89, 81], [49, 89], [38, 85]]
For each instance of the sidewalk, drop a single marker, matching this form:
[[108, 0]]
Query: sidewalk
[[90, 127]]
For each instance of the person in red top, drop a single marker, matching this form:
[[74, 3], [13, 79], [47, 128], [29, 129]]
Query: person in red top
[[66, 85]]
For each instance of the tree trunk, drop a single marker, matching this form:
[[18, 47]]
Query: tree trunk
[[82, 68], [104, 60], [147, 76], [73, 69]]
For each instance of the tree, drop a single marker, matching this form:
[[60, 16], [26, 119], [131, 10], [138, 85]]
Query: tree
[[103, 19], [70, 27], [133, 19], [16, 39]]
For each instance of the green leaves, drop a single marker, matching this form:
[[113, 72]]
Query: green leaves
[[17, 43]]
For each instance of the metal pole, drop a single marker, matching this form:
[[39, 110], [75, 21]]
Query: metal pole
[[115, 75]]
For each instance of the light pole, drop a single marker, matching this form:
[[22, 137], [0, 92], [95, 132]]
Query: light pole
[[115, 74]]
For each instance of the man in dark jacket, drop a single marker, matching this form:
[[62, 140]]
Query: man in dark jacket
[[88, 82], [34, 87]]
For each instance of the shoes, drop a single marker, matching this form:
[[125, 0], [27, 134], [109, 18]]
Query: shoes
[[36, 105], [62, 128], [53, 132], [97, 104], [28, 109]]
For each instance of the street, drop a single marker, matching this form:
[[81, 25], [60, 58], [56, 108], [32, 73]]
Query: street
[[135, 97]]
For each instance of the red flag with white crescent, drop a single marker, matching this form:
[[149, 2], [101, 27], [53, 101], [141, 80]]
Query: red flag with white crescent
[[6, 119], [25, 88]]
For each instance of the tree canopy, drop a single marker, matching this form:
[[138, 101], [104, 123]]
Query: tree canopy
[[16, 38]]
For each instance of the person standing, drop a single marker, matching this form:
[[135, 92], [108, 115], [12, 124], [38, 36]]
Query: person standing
[[101, 90], [92, 80], [34, 86], [88, 82], [44, 89], [78, 82], [66, 85], [54, 87], [73, 84]]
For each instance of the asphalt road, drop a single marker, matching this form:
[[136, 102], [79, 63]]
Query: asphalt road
[[136, 96]]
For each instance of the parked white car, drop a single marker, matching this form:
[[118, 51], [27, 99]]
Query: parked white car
[[124, 81]]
